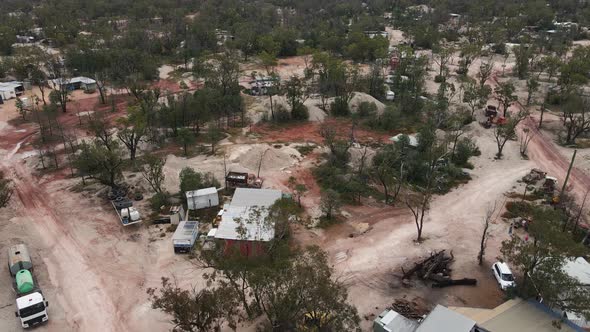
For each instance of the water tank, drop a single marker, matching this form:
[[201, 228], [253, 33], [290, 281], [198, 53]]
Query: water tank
[[24, 281], [133, 214], [130, 213]]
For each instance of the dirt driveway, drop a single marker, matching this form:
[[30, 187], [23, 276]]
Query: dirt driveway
[[93, 271], [370, 264]]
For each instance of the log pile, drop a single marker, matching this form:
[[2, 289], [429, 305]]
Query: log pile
[[436, 268], [409, 309]]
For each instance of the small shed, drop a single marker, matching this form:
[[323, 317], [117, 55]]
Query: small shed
[[202, 198], [176, 214]]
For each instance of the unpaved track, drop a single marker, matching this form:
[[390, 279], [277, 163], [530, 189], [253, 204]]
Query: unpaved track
[[66, 259], [548, 158]]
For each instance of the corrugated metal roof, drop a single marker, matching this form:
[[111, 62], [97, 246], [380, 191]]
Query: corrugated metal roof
[[201, 192], [444, 319], [527, 317], [78, 79], [255, 197], [390, 320], [245, 217], [246, 223], [579, 269]]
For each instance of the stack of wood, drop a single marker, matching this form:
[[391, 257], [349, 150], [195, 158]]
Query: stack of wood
[[436, 268], [409, 309]]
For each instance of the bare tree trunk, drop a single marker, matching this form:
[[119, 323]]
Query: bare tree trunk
[[484, 234]]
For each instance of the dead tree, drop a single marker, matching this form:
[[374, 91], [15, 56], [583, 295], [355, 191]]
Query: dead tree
[[485, 72], [525, 139], [362, 161], [504, 133], [484, 234], [419, 207]]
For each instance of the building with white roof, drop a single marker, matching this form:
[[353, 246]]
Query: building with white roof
[[74, 83]]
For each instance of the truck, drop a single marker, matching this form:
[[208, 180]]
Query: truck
[[128, 215], [242, 180], [30, 303]]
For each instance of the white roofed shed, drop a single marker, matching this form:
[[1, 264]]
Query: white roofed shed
[[202, 198]]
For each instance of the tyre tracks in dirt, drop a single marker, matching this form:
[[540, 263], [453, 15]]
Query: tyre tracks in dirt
[[80, 290], [545, 154]]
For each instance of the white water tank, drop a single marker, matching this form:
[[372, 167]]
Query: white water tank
[[130, 213]]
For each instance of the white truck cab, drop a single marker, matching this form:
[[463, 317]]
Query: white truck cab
[[31, 309]]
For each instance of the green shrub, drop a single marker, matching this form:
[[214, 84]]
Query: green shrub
[[193, 180], [339, 107], [300, 112], [158, 200], [282, 115], [367, 109], [464, 150]]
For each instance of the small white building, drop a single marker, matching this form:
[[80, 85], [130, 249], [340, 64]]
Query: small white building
[[11, 90], [202, 198], [177, 214]]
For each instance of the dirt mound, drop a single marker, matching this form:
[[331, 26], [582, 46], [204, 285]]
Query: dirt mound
[[274, 157], [360, 97]]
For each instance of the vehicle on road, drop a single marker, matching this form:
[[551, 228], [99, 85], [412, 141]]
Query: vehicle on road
[[30, 303], [503, 275]]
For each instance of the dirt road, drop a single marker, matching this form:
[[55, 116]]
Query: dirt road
[[64, 254], [544, 153], [93, 271]]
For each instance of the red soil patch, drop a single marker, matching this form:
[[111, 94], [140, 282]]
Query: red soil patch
[[310, 132]]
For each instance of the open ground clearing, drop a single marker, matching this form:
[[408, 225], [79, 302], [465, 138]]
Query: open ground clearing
[[95, 272]]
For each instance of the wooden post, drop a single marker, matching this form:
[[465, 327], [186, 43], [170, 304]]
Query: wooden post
[[542, 112], [567, 176], [224, 170]]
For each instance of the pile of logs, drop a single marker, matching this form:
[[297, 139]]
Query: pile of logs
[[409, 309], [436, 268]]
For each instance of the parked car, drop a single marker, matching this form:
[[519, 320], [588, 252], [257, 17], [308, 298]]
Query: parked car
[[503, 275]]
